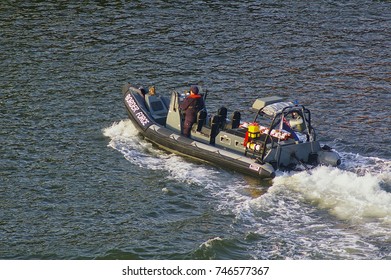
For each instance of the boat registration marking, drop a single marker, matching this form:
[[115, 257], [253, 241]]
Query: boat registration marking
[[136, 110], [255, 167]]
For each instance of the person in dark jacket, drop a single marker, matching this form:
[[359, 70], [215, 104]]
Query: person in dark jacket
[[190, 106]]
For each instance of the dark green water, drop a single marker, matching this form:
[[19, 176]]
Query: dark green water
[[77, 182]]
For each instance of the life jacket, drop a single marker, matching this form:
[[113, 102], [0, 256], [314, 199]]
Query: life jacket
[[196, 103], [191, 106]]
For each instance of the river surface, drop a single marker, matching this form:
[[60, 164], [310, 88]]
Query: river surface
[[78, 182]]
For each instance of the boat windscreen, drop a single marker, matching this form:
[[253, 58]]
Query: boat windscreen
[[274, 109]]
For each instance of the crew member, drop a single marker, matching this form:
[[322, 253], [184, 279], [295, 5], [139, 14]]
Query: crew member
[[190, 106], [296, 122]]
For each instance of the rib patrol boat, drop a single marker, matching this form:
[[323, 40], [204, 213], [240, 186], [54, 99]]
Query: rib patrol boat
[[280, 137]]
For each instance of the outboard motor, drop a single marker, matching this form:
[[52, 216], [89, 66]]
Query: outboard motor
[[328, 157]]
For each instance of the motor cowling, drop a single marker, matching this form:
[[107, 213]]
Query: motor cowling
[[327, 157]]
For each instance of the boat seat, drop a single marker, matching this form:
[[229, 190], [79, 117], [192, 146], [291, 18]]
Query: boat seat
[[157, 108], [208, 133], [214, 128], [201, 119], [222, 113], [235, 122]]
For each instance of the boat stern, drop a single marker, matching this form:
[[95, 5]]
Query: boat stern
[[287, 156]]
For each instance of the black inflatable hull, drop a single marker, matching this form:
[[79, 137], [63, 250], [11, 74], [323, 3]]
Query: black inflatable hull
[[174, 142]]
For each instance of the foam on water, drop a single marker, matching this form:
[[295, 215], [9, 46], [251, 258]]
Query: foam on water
[[121, 129], [361, 204], [354, 194], [125, 139], [362, 165], [345, 194], [298, 207], [210, 242]]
